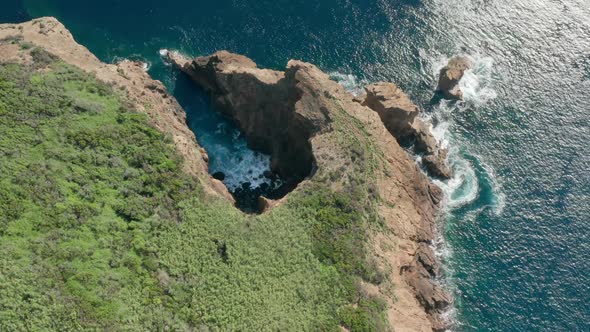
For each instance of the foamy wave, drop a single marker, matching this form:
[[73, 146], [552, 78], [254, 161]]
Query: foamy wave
[[145, 64], [163, 52], [477, 82], [463, 187], [350, 82], [240, 164]]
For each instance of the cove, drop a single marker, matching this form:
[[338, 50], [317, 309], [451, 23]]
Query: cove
[[245, 172]]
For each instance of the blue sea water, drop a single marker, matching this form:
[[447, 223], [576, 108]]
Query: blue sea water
[[516, 234]]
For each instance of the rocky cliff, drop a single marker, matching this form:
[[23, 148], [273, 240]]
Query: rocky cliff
[[147, 95], [294, 114]]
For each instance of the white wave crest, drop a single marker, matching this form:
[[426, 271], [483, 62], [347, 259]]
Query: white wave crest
[[477, 82], [350, 82]]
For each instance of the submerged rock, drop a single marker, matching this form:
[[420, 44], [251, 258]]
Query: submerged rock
[[450, 75]]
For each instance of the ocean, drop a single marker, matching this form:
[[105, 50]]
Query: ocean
[[515, 234]]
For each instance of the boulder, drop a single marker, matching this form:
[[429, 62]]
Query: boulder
[[450, 75]]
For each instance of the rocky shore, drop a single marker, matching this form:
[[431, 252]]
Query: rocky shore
[[289, 115]]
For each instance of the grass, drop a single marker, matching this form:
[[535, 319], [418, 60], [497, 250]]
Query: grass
[[101, 230]]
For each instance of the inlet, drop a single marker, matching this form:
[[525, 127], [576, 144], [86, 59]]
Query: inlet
[[246, 172]]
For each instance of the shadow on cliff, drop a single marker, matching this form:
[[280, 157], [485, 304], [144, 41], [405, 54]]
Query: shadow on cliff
[[205, 120]]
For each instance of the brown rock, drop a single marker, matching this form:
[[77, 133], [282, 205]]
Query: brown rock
[[399, 115], [436, 164], [265, 204], [450, 75], [394, 107]]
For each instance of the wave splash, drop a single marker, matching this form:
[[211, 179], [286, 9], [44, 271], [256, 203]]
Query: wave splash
[[351, 83], [466, 185], [473, 187]]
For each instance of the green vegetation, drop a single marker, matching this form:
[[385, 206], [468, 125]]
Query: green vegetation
[[101, 230]]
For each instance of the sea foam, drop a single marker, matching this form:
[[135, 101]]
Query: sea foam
[[351, 83]]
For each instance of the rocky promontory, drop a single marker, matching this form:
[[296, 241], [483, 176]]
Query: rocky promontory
[[294, 116], [360, 217]]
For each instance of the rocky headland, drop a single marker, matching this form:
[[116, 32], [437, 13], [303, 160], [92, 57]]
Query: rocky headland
[[291, 114], [317, 134]]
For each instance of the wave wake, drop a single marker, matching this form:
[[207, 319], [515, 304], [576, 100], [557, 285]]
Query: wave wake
[[473, 187]]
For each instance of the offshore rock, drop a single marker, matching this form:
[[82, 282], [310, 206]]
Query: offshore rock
[[400, 116], [450, 75]]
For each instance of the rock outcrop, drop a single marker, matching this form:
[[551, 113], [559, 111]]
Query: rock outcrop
[[295, 114], [450, 75], [270, 110], [400, 116]]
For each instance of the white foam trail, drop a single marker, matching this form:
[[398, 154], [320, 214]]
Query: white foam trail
[[463, 187], [477, 82], [477, 87], [350, 82], [163, 52]]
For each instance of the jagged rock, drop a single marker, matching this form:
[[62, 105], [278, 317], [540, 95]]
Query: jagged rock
[[437, 165], [399, 115], [394, 107], [425, 256], [450, 75], [276, 116]]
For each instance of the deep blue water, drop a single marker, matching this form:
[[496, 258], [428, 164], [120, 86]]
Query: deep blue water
[[517, 229]]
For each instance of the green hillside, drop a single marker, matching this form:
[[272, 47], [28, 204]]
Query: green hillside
[[101, 230]]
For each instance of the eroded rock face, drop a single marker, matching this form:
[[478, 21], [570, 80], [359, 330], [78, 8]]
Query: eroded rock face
[[432, 297], [450, 75], [400, 116], [394, 107]]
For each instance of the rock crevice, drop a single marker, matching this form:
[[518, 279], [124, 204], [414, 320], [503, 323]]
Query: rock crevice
[[266, 105]]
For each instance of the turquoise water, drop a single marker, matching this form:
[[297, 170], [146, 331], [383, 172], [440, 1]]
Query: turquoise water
[[517, 226]]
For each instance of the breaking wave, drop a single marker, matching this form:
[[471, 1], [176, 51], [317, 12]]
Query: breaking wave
[[351, 83]]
